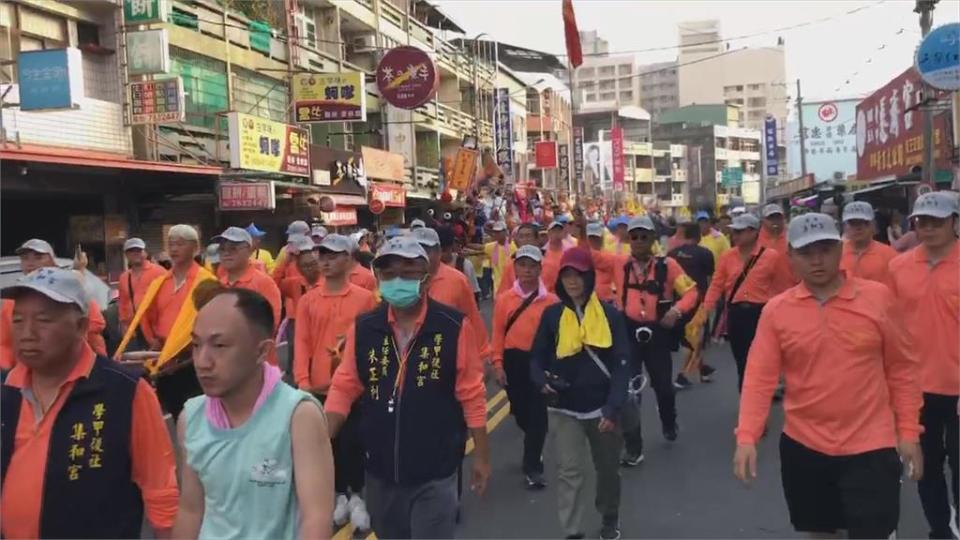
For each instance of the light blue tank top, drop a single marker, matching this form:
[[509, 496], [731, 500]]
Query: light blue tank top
[[247, 472]]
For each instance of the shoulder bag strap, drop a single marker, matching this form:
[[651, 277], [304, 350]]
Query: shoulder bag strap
[[743, 275], [516, 314], [596, 360]]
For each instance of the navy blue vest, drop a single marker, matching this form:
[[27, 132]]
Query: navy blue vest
[[88, 491], [417, 434]]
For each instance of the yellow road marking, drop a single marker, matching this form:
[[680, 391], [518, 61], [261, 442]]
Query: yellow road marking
[[346, 532]]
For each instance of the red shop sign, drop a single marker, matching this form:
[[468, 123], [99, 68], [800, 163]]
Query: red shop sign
[[247, 196], [546, 154], [389, 194], [341, 215], [407, 77]]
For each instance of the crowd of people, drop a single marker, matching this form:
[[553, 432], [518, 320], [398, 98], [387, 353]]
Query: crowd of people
[[345, 380]]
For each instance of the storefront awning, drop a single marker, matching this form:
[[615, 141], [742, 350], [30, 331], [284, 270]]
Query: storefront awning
[[880, 186], [86, 158]]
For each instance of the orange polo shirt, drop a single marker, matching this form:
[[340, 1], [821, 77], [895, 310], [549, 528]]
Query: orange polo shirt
[[292, 289], [152, 462], [285, 268], [323, 318], [129, 298], [363, 277], [469, 388], [873, 263], [94, 332], [450, 287], [549, 271], [641, 305], [759, 286], [604, 263], [255, 280], [785, 277], [929, 298], [524, 329], [851, 375], [163, 311]]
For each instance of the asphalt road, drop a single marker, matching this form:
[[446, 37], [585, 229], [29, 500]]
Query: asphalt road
[[684, 489]]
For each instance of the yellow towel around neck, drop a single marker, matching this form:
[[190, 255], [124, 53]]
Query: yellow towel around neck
[[593, 330]]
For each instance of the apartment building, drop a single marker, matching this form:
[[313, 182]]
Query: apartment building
[[659, 87], [605, 78]]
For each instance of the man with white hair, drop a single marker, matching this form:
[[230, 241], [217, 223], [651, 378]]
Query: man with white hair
[[166, 315], [35, 254]]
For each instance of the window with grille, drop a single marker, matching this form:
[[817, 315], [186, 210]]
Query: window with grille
[[204, 86], [259, 95]]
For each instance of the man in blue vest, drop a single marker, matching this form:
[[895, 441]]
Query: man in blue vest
[[416, 370], [84, 447]]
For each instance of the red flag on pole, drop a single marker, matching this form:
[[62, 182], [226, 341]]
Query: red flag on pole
[[574, 51]]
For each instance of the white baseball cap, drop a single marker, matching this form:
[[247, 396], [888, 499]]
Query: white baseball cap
[[298, 227], [319, 230], [529, 252], [416, 224], [938, 204], [35, 244], [405, 247], [745, 221], [498, 226], [772, 210], [60, 285], [809, 228], [234, 234], [336, 243], [300, 242], [426, 237], [737, 210], [858, 210], [134, 243], [595, 229], [641, 222]]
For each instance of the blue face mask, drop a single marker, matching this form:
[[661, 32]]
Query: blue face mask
[[399, 292]]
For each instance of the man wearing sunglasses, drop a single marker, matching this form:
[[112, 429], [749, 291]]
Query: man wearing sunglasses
[[925, 283], [654, 293]]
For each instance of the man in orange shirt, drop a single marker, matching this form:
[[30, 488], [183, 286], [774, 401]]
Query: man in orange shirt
[[772, 236], [236, 269], [838, 451], [360, 275], [450, 287], [653, 293], [134, 282], [512, 341], [284, 266], [324, 316], [603, 262], [527, 234], [925, 283], [552, 252], [745, 279], [35, 254], [863, 256], [78, 433], [413, 365], [303, 253]]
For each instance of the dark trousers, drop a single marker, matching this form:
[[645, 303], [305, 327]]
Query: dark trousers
[[486, 282], [939, 442], [655, 355], [528, 408], [742, 319], [348, 462], [427, 510], [175, 388]]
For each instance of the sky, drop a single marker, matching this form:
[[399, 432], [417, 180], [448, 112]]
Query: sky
[[838, 56]]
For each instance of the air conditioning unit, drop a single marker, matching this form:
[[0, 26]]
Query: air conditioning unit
[[365, 43]]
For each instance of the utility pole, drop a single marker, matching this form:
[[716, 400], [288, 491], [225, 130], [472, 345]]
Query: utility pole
[[925, 9], [803, 139]]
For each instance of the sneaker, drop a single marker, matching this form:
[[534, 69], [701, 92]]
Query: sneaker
[[670, 433], [535, 481], [631, 460], [610, 529], [682, 382], [341, 513], [358, 514]]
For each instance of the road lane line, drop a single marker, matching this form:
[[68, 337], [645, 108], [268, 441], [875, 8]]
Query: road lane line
[[346, 532]]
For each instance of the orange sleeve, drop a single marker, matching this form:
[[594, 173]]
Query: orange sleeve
[[499, 330], [346, 386], [280, 270], [95, 330], [718, 285], [760, 379], [902, 369], [468, 304], [7, 360], [470, 390], [124, 305], [507, 277], [271, 292], [302, 351], [153, 467], [684, 284], [785, 277]]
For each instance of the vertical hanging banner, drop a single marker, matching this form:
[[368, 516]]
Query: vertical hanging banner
[[572, 35], [578, 158], [770, 145], [503, 133], [616, 146], [464, 169], [563, 170]]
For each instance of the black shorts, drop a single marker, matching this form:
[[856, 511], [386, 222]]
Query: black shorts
[[859, 493]]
